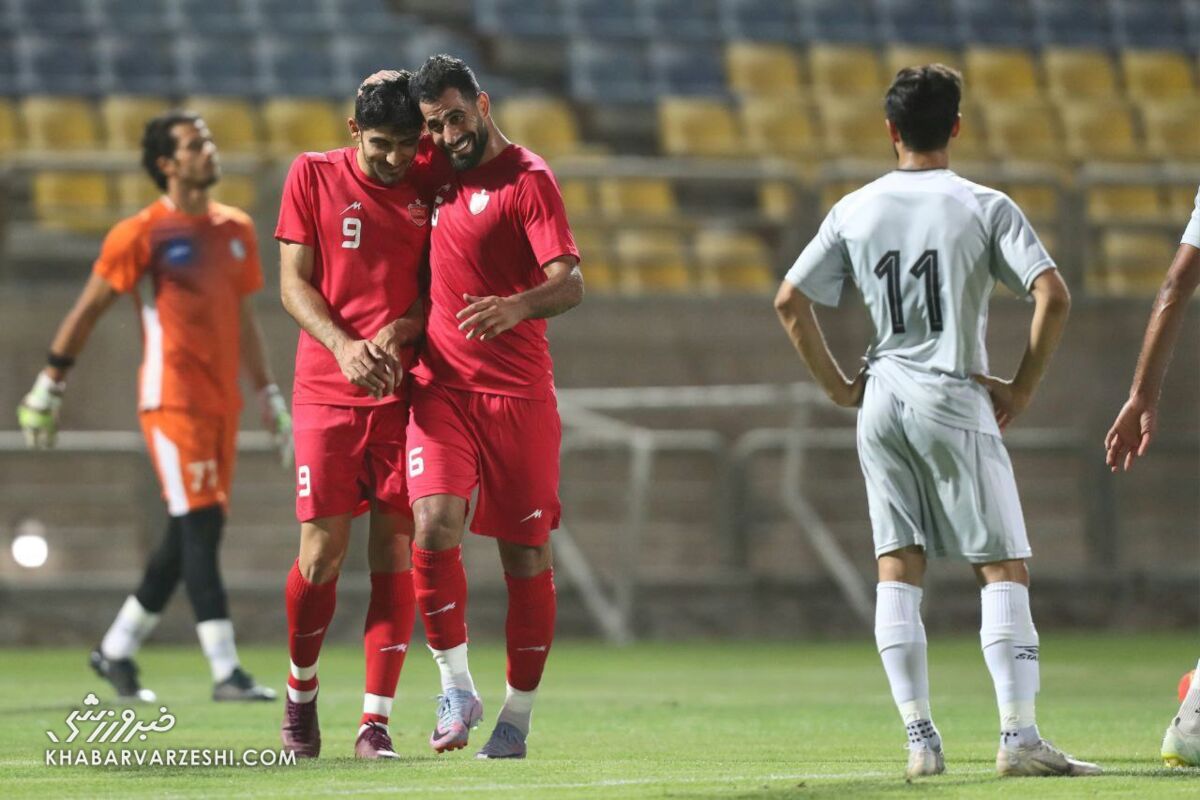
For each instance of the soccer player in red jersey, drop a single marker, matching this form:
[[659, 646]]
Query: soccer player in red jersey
[[484, 414], [353, 236]]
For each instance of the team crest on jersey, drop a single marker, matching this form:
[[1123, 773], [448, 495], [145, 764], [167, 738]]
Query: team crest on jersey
[[238, 249], [418, 212], [479, 201], [179, 252]]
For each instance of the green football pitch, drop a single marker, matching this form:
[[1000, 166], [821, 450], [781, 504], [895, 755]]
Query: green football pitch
[[700, 719]]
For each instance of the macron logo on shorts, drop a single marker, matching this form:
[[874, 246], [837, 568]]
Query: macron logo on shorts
[[396, 648], [448, 607], [537, 514], [317, 632], [541, 648]]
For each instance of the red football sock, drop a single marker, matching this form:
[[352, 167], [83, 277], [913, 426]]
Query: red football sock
[[441, 587], [532, 604], [385, 640], [309, 611]]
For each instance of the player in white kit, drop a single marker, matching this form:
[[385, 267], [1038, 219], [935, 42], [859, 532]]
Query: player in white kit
[[1132, 431], [925, 247]]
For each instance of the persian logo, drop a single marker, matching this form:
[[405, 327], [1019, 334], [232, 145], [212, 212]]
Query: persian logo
[[111, 727], [418, 212], [479, 201]]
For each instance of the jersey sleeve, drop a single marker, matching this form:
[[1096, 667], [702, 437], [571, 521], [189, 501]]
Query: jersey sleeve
[[542, 213], [1192, 234], [296, 223], [822, 267], [124, 256], [1017, 253], [252, 273]]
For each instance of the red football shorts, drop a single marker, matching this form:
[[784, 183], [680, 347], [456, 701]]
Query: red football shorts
[[193, 455], [346, 455], [507, 446]]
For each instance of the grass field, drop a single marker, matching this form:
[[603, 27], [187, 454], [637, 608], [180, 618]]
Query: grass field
[[657, 720]]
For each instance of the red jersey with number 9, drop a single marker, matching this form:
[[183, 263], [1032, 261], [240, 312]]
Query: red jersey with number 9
[[370, 243]]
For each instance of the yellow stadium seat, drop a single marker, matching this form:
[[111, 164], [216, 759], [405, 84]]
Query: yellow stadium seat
[[134, 191], [898, 56], [1180, 201], [9, 131], [1101, 131], [233, 123], [73, 201], [1157, 75], [733, 261], [1023, 132], [1135, 262], [595, 254], [971, 142], [125, 119], [777, 200], [697, 127], [1000, 74], [1040, 202], [759, 69], [653, 262], [1130, 203], [845, 71], [1171, 129], [1074, 73], [776, 127], [237, 190], [854, 129], [545, 125], [577, 196], [298, 125], [60, 124], [833, 191], [636, 197]]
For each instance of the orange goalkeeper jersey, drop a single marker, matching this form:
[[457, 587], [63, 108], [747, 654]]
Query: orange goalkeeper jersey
[[188, 275]]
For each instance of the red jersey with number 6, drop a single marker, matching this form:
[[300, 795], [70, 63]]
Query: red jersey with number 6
[[494, 228], [370, 243]]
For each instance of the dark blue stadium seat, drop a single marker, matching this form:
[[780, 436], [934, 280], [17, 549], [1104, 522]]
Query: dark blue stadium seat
[[1077, 23], [56, 65], [8, 65], [376, 16], [208, 17], [1149, 24], [986, 22], [520, 18], [761, 20], [60, 17], [357, 55], [133, 17], [932, 22], [300, 66], [608, 72], [431, 41], [1191, 17], [137, 65], [303, 17], [613, 19], [689, 20], [218, 65], [840, 21], [687, 69]]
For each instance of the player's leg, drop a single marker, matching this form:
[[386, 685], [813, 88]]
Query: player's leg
[[1181, 743]]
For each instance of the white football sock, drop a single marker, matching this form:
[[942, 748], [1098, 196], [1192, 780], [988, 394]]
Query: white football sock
[[452, 665], [127, 632], [216, 640], [900, 637], [1010, 648], [1188, 718], [518, 708]]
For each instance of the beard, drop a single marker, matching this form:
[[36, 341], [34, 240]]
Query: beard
[[474, 155]]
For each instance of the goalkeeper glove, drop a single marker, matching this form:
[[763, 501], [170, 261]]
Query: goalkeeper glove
[[38, 413], [278, 420]]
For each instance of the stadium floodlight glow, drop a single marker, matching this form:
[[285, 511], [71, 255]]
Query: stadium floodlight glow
[[30, 550]]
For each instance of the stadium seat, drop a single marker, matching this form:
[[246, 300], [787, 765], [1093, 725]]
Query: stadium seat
[[1040, 201], [653, 262], [142, 64], [844, 71], [421, 43], [609, 19], [60, 17], [777, 128], [595, 252], [72, 201], [300, 17], [1171, 128], [1123, 203], [1074, 73], [1135, 262], [761, 21], [125, 119], [605, 72], [65, 65], [986, 22], [299, 66], [134, 191], [1191, 19], [839, 21], [971, 142], [217, 65], [578, 197], [520, 18], [8, 65], [854, 129], [682, 20], [1157, 75], [1149, 24], [211, 17], [636, 198], [1023, 132], [1000, 74], [835, 190], [777, 201], [758, 68], [1180, 201], [297, 125], [10, 132], [378, 16], [133, 17], [687, 69], [544, 124], [233, 122], [54, 124], [1101, 131], [357, 55], [1077, 23], [697, 127], [733, 261], [930, 22], [237, 190], [898, 56]]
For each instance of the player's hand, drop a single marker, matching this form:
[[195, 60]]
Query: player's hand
[[277, 419], [366, 365], [487, 317], [38, 413], [378, 77], [1130, 435], [392, 339], [1007, 401]]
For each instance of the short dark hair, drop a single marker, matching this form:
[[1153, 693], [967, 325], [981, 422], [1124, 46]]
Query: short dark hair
[[442, 72], [922, 103], [387, 104], [158, 142]]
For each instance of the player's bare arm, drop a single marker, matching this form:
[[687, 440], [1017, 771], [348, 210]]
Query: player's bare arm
[[400, 333], [273, 408], [1131, 433], [363, 363], [800, 321], [486, 318], [1052, 306]]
